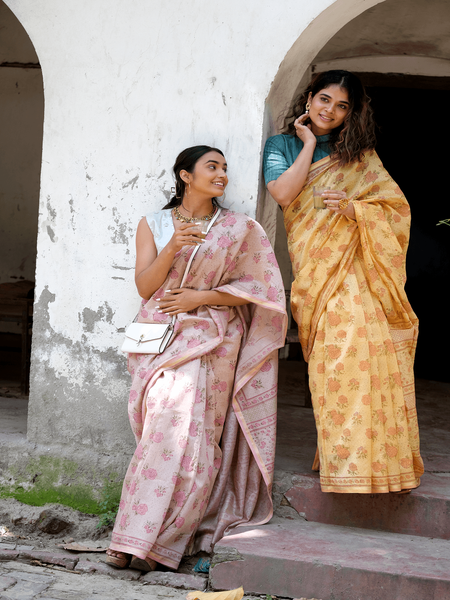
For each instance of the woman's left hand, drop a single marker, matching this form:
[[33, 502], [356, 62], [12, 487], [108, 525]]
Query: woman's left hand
[[332, 198], [179, 301]]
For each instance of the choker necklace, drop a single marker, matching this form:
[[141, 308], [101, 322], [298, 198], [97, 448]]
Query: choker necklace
[[183, 219]]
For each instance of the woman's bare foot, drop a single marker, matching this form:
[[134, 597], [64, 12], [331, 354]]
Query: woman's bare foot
[[120, 560], [143, 564]]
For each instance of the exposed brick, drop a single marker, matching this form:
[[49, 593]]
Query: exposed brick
[[8, 554]]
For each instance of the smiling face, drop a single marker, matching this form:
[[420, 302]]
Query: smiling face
[[209, 176], [329, 107]]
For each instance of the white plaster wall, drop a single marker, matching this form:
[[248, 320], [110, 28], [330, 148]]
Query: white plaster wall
[[127, 86]]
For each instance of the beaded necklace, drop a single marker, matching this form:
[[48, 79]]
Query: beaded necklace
[[184, 219]]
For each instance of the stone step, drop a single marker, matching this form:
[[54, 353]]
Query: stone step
[[423, 512], [297, 559]]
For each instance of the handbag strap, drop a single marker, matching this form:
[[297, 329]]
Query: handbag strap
[[191, 258], [196, 249]]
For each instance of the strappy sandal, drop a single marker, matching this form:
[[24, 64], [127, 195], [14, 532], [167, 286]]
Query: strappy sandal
[[120, 561], [142, 564]]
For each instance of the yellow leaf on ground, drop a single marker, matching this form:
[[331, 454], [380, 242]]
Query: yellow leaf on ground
[[228, 595]]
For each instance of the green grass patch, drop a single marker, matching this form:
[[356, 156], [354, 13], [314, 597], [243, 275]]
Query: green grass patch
[[76, 497], [109, 504], [57, 480]]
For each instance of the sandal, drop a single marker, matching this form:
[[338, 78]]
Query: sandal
[[402, 492], [120, 560], [142, 564]]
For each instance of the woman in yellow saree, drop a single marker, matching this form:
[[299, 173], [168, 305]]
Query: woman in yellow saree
[[357, 329]]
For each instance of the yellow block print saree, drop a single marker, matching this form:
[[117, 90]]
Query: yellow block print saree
[[357, 329]]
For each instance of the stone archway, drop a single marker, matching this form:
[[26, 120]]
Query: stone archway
[[21, 123]]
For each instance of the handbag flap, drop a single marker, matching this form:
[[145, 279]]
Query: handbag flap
[[147, 332]]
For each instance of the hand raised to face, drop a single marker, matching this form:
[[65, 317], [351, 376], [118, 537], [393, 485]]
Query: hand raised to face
[[303, 131]]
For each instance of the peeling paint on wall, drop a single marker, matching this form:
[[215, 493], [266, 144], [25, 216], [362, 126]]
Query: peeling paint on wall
[[91, 317], [132, 182], [73, 384], [51, 234], [120, 230]]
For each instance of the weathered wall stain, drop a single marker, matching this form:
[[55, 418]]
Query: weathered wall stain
[[51, 233], [51, 211], [132, 182], [120, 229], [78, 394], [91, 317], [49, 225]]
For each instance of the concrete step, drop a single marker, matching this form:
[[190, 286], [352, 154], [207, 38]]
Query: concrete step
[[424, 512], [299, 559]]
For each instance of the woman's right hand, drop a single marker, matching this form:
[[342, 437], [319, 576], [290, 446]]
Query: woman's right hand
[[303, 131], [185, 234]]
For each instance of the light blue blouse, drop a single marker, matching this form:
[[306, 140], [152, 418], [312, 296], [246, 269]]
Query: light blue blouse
[[161, 225], [281, 151]]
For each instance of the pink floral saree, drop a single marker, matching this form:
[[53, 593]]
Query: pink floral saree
[[204, 412]]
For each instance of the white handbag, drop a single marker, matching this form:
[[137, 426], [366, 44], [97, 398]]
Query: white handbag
[[153, 338], [148, 338]]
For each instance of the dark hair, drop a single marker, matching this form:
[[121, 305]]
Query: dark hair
[[356, 135], [186, 161]]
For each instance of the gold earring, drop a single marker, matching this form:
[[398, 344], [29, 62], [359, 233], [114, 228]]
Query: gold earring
[[308, 106]]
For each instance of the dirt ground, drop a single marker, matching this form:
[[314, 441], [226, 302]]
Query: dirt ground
[[53, 525]]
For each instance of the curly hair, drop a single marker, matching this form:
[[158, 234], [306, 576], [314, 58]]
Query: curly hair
[[186, 161], [356, 135]]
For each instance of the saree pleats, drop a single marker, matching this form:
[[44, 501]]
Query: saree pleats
[[204, 412], [357, 329]]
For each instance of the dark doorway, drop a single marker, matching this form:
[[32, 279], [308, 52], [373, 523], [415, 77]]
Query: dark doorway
[[413, 143]]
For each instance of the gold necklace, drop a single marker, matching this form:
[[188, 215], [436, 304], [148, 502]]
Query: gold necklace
[[184, 219]]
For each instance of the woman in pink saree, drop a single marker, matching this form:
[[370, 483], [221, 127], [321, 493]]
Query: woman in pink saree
[[204, 411]]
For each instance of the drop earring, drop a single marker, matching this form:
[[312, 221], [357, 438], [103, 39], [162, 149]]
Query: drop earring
[[308, 106]]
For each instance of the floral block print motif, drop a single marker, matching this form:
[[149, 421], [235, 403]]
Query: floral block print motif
[[221, 359], [357, 328]]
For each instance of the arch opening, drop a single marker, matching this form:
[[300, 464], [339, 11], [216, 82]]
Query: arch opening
[[21, 123]]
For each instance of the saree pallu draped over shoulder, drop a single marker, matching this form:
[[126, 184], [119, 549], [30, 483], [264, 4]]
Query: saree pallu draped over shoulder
[[204, 412], [356, 327]]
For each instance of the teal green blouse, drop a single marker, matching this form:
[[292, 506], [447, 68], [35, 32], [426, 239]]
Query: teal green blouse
[[281, 151]]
